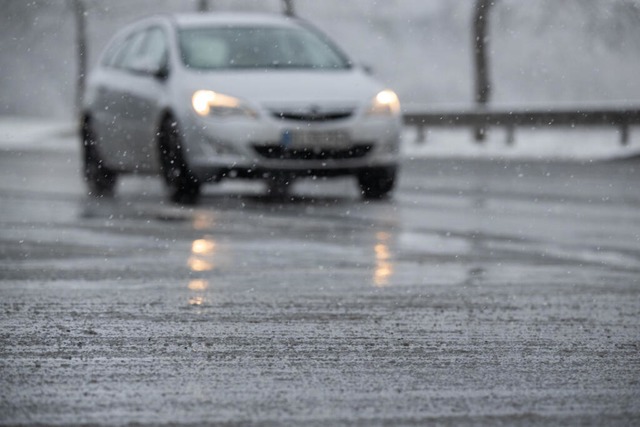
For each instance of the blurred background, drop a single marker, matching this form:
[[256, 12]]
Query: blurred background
[[541, 52]]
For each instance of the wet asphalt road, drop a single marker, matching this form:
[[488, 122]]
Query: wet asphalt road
[[483, 293]]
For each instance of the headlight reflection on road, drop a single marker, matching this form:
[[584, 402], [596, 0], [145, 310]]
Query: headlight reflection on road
[[203, 246], [198, 287], [384, 266], [203, 221], [197, 264], [202, 255], [201, 259]]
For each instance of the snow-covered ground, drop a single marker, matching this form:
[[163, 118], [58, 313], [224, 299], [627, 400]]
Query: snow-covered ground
[[581, 144], [28, 133], [21, 133]]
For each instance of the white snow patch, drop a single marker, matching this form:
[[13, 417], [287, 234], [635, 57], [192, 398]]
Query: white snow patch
[[28, 133], [533, 144]]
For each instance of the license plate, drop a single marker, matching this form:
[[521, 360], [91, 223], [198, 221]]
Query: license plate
[[311, 139]]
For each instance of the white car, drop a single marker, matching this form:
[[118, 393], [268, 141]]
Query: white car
[[203, 97]]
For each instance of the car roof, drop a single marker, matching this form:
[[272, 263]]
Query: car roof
[[191, 20]]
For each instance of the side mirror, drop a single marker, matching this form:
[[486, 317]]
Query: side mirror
[[150, 68], [162, 72]]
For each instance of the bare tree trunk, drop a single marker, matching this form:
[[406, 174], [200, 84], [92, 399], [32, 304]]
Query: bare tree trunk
[[81, 48], [203, 6], [482, 82], [288, 8]]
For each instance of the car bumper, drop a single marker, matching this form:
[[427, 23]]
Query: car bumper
[[255, 148]]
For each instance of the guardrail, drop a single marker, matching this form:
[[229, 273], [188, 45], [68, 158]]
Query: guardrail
[[480, 120]]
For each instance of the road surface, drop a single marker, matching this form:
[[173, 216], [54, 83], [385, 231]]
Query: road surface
[[482, 293]]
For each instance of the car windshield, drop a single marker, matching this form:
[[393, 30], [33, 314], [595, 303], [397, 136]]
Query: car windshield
[[217, 48]]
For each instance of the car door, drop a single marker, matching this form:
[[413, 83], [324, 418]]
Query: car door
[[133, 95], [144, 100], [108, 104]]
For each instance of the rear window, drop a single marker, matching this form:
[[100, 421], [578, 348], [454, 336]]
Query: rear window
[[223, 48]]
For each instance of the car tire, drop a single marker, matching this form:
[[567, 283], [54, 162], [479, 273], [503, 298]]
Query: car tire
[[182, 184], [376, 183], [99, 178]]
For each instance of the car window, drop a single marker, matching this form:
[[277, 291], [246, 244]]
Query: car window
[[204, 50], [153, 52], [110, 53], [142, 51], [124, 57], [258, 47]]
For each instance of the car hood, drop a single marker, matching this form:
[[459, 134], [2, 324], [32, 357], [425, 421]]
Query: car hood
[[289, 88]]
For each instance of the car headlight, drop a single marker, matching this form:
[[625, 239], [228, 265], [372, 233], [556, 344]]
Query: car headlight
[[210, 103], [385, 103]]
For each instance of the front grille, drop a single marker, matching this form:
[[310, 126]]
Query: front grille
[[316, 153], [312, 117]]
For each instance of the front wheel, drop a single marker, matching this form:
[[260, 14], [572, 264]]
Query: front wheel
[[182, 184], [99, 178], [377, 183]]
